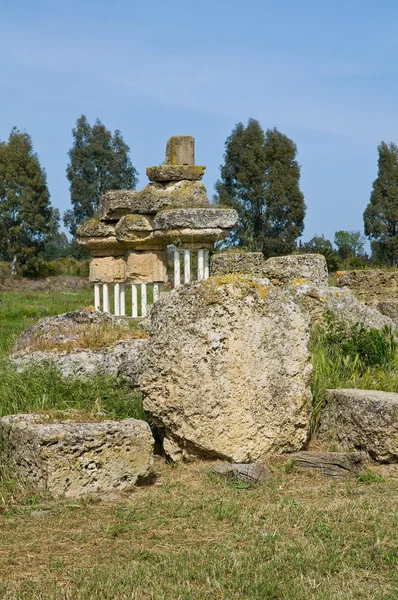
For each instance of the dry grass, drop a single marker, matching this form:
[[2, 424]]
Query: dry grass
[[192, 537]]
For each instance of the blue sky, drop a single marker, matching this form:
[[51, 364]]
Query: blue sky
[[324, 73]]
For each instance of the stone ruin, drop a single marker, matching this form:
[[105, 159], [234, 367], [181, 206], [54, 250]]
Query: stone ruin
[[128, 241]]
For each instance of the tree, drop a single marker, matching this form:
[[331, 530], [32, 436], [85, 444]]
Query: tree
[[26, 215], [381, 214], [260, 179], [99, 162], [349, 243]]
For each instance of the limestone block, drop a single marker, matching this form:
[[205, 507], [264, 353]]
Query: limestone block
[[304, 268], [116, 203], [370, 285], [108, 269], [58, 455], [98, 236], [196, 218], [363, 420], [175, 172], [134, 228], [180, 150], [147, 266], [244, 263], [191, 237], [227, 370]]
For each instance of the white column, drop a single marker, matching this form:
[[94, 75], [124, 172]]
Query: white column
[[97, 296], [207, 264], [187, 266], [177, 277], [122, 299], [144, 305], [155, 292], [105, 297], [201, 265], [117, 299], [134, 301]]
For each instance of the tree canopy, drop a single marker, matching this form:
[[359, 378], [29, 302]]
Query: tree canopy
[[26, 216], [381, 214], [99, 162], [349, 243], [260, 179]]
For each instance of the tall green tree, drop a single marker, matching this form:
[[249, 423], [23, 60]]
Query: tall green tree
[[381, 214], [26, 216], [99, 161], [349, 243], [260, 179]]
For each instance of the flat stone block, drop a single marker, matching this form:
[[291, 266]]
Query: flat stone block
[[115, 204], [107, 269], [175, 173], [296, 269], [187, 236], [362, 420], [147, 267], [243, 263], [180, 150], [134, 228], [196, 218], [63, 457]]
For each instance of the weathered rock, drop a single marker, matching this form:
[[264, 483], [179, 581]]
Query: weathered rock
[[297, 268], [69, 458], [389, 308], [175, 173], [341, 303], [190, 236], [108, 269], [116, 203], [364, 420], [196, 218], [180, 150], [336, 465], [370, 285], [134, 228], [122, 360], [147, 266], [227, 371], [243, 263], [248, 473], [98, 235]]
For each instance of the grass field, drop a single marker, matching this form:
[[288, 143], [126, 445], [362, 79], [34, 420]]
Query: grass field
[[187, 536]]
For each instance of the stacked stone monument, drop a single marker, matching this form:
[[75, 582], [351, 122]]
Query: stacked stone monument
[[128, 241]]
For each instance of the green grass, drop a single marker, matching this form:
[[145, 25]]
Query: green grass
[[43, 388]]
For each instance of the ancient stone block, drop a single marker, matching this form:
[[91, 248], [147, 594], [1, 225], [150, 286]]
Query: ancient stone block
[[362, 420], [196, 218], [244, 263], [227, 370], [134, 228], [175, 173], [180, 150], [370, 285], [336, 465], [191, 238], [116, 203], [99, 236], [107, 269], [297, 268], [147, 266], [56, 454]]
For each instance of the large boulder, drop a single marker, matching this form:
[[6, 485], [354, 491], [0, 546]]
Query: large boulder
[[65, 455], [297, 268], [227, 370], [341, 303], [363, 420]]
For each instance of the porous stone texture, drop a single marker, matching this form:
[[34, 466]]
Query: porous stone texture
[[107, 269], [99, 236], [175, 173], [370, 285], [389, 308], [248, 473], [134, 228], [196, 218], [363, 420], [121, 360], [341, 303], [147, 266], [188, 237], [227, 370], [115, 204], [243, 263], [180, 150], [297, 268], [71, 459]]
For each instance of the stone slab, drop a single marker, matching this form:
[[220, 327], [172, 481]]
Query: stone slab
[[71, 459], [107, 269], [297, 268], [243, 263], [189, 237], [196, 218], [364, 420], [116, 203], [247, 472], [146, 267], [180, 150], [175, 173]]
